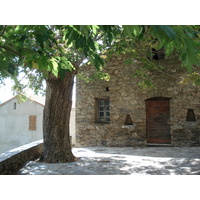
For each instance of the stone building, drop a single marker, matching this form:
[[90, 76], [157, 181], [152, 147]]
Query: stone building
[[119, 113]]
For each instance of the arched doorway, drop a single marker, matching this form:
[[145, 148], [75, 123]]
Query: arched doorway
[[157, 120]]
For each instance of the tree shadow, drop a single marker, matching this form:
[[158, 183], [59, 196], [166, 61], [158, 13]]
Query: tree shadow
[[123, 161], [159, 160]]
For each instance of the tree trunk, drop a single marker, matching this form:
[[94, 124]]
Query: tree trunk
[[56, 118]]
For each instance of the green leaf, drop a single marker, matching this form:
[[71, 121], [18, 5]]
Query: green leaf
[[132, 30], [94, 29], [91, 44], [165, 31], [169, 49], [17, 29], [66, 64], [136, 30], [97, 61], [55, 67], [128, 30]]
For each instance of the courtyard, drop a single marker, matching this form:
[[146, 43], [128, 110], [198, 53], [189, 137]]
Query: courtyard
[[122, 161]]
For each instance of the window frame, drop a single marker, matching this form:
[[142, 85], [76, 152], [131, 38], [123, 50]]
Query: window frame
[[102, 107]]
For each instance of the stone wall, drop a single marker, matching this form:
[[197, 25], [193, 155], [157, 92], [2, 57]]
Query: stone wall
[[12, 160], [186, 133], [126, 97]]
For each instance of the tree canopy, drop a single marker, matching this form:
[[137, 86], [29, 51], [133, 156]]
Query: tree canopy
[[38, 50]]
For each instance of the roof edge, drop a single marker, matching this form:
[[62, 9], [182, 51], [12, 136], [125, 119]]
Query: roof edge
[[26, 97]]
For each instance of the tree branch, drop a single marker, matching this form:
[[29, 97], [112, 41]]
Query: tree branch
[[14, 52], [4, 28], [98, 38]]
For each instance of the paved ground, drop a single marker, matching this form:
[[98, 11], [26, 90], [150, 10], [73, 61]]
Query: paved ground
[[124, 161]]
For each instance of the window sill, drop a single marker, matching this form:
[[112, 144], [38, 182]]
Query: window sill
[[128, 126], [102, 123]]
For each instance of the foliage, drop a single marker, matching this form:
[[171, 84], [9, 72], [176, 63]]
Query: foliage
[[193, 78], [138, 42], [40, 50], [92, 77]]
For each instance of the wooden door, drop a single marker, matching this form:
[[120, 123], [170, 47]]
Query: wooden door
[[157, 120]]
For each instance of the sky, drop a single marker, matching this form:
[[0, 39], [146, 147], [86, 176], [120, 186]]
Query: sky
[[6, 93]]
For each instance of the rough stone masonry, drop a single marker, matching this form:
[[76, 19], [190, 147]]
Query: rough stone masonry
[[128, 99]]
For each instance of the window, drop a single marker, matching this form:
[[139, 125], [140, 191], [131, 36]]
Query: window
[[103, 110], [32, 122], [158, 54]]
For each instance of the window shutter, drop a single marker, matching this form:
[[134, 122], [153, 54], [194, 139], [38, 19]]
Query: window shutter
[[32, 122]]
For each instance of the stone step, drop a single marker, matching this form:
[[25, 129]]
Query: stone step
[[157, 144]]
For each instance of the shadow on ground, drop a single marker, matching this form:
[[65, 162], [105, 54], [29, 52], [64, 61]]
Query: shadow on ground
[[123, 161]]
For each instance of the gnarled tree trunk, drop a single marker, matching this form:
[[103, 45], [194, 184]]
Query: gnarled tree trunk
[[57, 145]]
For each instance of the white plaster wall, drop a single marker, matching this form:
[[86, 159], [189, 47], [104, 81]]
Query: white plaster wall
[[14, 124]]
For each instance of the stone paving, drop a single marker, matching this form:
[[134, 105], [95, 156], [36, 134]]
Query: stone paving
[[123, 161]]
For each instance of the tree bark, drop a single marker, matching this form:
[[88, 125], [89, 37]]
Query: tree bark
[[56, 116]]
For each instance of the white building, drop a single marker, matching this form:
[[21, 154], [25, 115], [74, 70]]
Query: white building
[[21, 123]]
